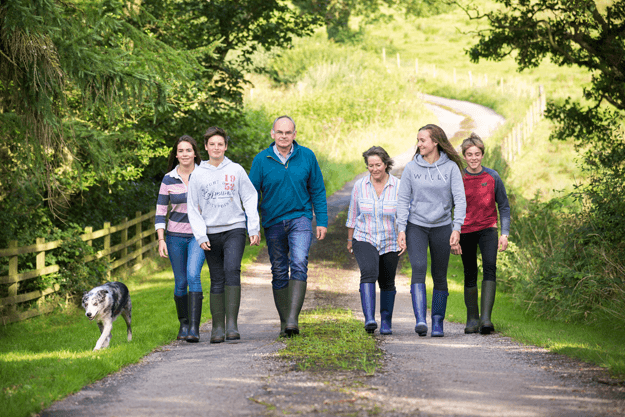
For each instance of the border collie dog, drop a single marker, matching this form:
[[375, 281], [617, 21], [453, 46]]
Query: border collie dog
[[105, 303]]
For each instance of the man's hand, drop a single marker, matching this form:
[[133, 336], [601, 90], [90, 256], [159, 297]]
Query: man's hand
[[321, 232], [254, 240]]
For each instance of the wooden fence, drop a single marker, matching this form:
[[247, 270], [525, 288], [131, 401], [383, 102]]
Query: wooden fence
[[118, 256]]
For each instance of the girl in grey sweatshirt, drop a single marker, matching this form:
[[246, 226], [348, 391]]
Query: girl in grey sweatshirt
[[431, 186]]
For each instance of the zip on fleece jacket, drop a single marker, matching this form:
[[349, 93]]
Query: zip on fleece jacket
[[427, 193], [220, 199], [289, 190]]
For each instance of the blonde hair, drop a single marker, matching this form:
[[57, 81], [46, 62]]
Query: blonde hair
[[472, 140]]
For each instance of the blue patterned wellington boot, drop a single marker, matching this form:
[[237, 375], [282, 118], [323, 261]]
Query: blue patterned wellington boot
[[367, 298], [420, 307], [387, 302], [439, 306]]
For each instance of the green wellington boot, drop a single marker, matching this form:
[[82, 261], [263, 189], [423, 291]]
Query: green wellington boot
[[233, 301], [488, 300], [219, 317], [281, 298], [473, 311], [297, 292]]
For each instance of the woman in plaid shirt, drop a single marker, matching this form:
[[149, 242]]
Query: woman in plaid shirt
[[372, 236]]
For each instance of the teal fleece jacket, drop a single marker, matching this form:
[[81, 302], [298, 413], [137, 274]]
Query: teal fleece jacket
[[290, 190]]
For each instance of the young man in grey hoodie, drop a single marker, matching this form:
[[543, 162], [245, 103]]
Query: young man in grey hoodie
[[222, 203], [431, 185]]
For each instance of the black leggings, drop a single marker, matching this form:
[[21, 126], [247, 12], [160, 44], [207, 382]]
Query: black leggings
[[224, 259], [374, 266], [418, 238], [488, 243]]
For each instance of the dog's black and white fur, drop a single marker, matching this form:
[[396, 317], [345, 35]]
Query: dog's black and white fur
[[105, 303]]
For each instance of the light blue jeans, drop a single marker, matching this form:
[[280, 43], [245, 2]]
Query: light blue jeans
[[186, 259], [288, 243]]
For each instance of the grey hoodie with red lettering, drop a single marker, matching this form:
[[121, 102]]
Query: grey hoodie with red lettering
[[428, 192], [221, 198]]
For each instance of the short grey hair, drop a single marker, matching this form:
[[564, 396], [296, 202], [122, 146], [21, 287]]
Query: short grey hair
[[283, 117], [381, 153]]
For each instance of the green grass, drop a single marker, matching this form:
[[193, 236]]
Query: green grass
[[44, 359], [598, 344], [332, 339]]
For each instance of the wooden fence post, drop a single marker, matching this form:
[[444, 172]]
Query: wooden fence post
[[107, 247], [88, 230], [139, 243], [40, 263], [13, 276]]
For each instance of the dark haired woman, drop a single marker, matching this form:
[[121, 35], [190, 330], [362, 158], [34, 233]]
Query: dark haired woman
[[372, 236], [484, 189], [180, 246], [222, 204], [431, 186]]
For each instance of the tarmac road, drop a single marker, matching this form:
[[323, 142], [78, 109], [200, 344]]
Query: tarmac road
[[458, 375]]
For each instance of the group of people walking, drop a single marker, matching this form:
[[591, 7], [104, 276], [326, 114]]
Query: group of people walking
[[213, 204]]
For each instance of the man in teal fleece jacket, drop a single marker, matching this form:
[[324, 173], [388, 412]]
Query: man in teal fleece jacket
[[290, 185]]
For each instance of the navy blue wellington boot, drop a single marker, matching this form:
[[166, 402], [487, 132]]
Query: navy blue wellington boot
[[387, 302], [367, 298], [439, 306], [420, 307]]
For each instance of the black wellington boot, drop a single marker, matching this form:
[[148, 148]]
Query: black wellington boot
[[182, 307], [218, 312], [297, 292], [281, 298], [195, 315], [233, 301], [473, 311], [488, 300]]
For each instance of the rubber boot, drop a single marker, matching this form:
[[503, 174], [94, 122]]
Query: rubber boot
[[182, 308], [439, 306], [218, 312], [367, 298], [281, 298], [473, 312], [420, 307], [488, 300], [297, 292], [195, 315], [233, 301], [387, 302]]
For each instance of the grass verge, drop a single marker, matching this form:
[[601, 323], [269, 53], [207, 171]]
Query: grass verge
[[332, 339], [44, 359]]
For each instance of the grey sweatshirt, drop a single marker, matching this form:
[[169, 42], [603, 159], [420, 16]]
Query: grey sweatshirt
[[217, 197], [427, 193]]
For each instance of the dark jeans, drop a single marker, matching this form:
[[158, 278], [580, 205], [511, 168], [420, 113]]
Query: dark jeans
[[224, 259], [488, 243], [418, 238], [288, 243], [374, 266]]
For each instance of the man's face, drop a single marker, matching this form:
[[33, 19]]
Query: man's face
[[283, 133]]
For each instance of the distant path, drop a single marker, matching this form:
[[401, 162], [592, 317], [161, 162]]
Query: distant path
[[454, 375]]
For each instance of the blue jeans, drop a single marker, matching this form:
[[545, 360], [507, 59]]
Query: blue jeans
[[418, 238], [186, 259], [288, 243], [488, 242], [224, 259]]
